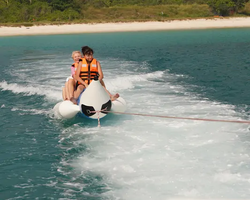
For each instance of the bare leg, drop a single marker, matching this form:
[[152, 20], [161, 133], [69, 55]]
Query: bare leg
[[71, 88], [63, 93], [103, 84], [78, 91], [67, 90], [112, 97]]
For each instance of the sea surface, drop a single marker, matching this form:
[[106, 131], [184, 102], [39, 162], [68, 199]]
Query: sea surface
[[193, 73]]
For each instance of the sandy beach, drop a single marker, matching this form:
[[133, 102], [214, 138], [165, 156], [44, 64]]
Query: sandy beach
[[122, 27]]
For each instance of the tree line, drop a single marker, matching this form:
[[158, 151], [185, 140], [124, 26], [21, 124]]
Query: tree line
[[15, 11]]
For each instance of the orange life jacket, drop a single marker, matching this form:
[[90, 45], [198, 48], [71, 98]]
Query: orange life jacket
[[88, 70]]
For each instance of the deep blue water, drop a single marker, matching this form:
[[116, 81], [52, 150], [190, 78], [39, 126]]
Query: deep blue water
[[169, 72]]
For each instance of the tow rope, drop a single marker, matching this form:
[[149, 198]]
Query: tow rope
[[172, 117]]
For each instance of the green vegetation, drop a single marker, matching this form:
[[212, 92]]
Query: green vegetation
[[29, 12], [227, 7]]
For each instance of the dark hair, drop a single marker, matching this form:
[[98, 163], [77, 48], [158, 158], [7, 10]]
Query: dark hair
[[87, 50]]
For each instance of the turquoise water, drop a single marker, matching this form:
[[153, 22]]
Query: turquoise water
[[198, 73]]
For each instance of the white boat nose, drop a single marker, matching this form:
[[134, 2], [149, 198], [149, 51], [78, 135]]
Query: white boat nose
[[94, 99]]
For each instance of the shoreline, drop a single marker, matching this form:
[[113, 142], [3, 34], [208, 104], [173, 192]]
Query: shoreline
[[189, 24]]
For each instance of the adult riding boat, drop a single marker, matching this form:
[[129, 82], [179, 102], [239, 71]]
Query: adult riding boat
[[93, 103]]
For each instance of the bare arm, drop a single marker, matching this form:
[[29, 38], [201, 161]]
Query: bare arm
[[100, 71], [77, 75]]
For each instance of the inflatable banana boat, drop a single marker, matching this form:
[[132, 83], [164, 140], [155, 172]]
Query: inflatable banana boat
[[93, 103]]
